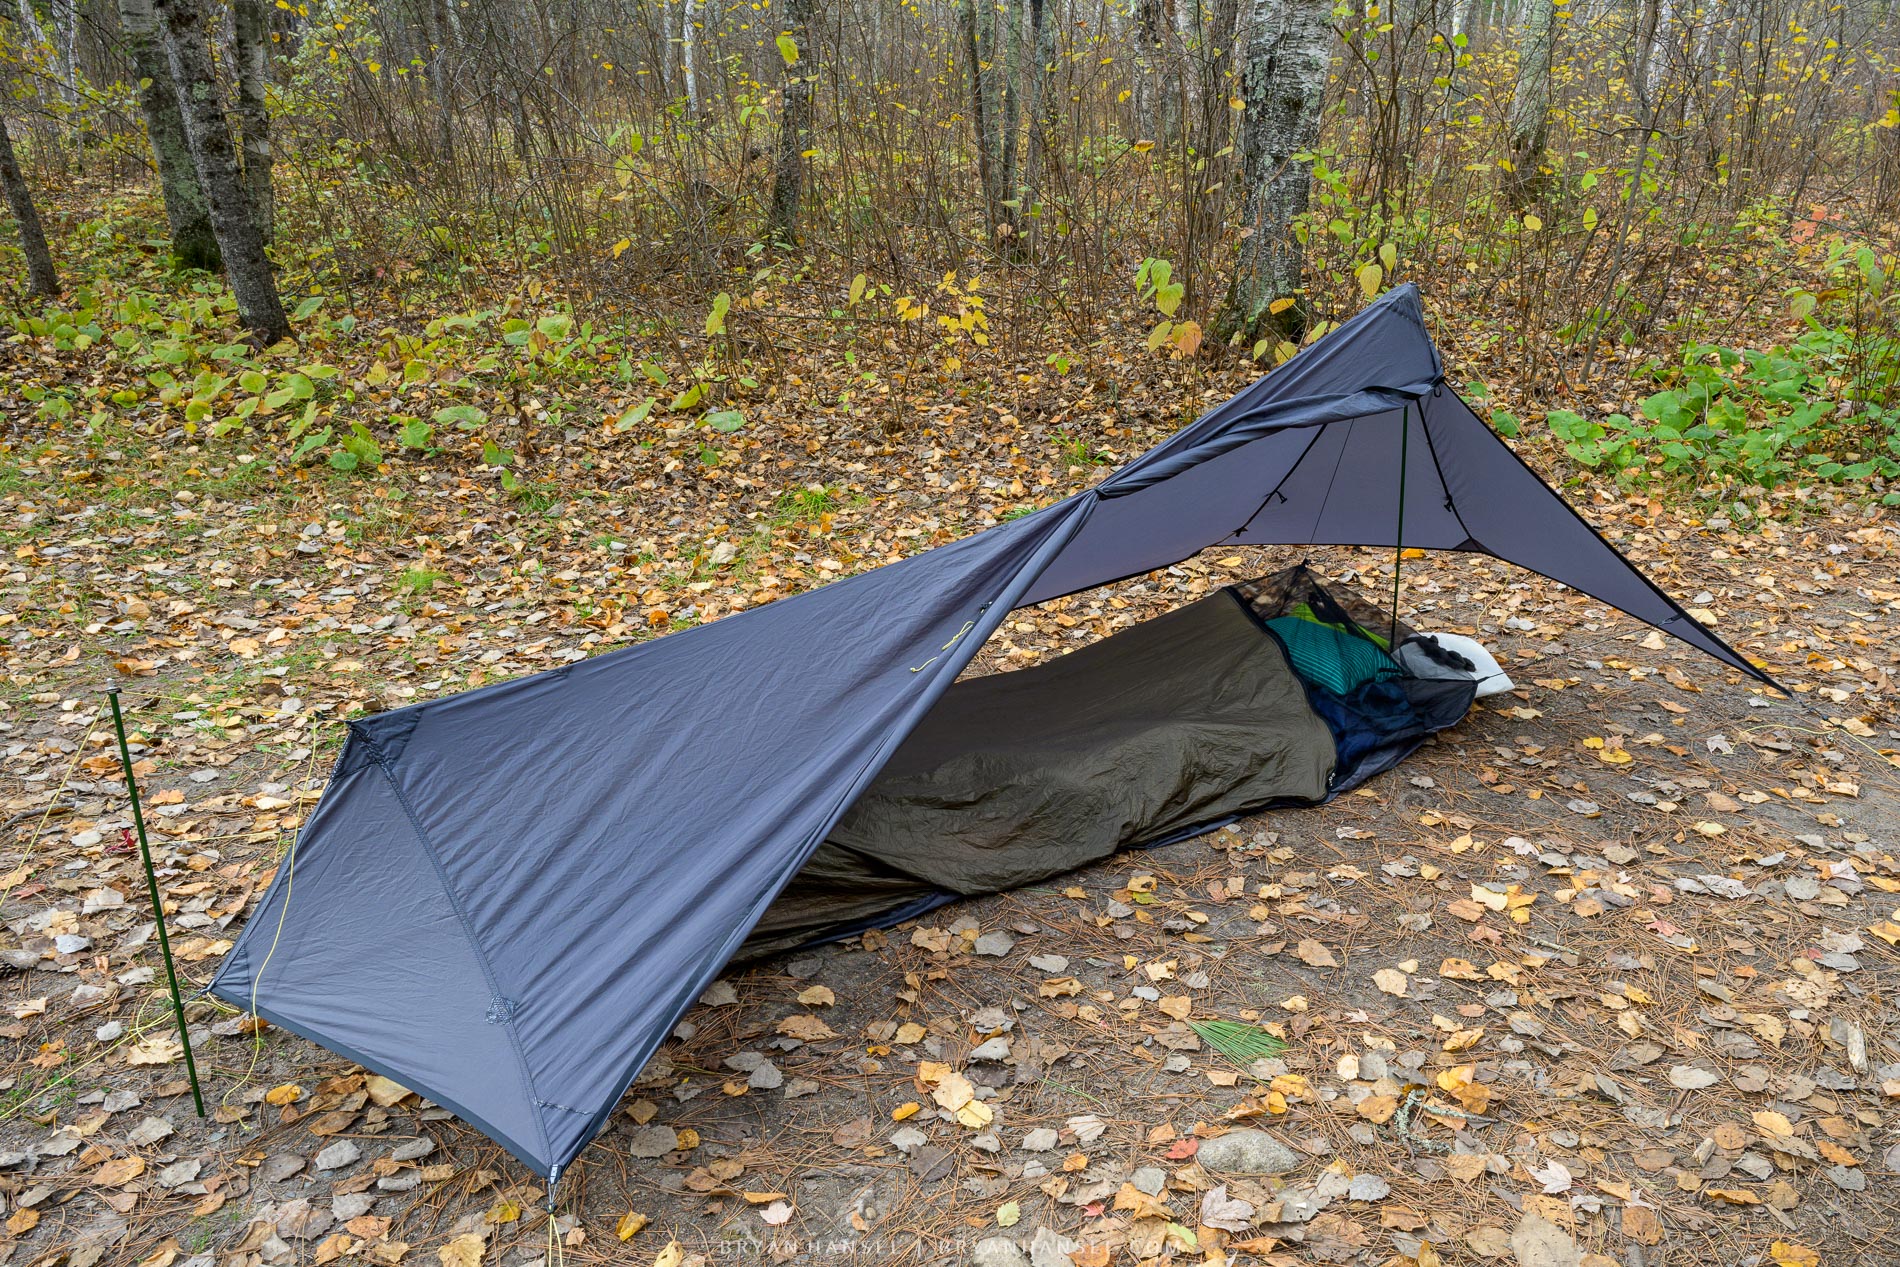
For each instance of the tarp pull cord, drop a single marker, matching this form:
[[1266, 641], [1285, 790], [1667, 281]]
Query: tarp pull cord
[[557, 1253], [955, 638]]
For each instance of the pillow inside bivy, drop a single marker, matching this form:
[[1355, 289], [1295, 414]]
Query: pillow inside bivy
[[1331, 658], [1425, 656]]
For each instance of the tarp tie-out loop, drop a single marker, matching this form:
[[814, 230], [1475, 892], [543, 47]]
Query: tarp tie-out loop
[[955, 638]]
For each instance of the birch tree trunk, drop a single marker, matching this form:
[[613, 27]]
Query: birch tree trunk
[[251, 41], [182, 24], [689, 51], [1530, 107], [30, 23], [186, 211], [65, 15], [794, 125], [41, 278], [1147, 91], [1284, 80]]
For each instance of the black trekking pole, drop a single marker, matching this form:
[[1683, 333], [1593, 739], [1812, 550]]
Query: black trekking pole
[[1398, 543], [158, 906]]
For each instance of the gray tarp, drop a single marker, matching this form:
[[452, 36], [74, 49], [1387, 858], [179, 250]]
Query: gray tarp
[[507, 898]]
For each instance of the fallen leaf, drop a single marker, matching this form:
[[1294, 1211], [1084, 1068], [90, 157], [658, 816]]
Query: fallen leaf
[[1315, 955], [1538, 1242], [465, 1250], [119, 1171]]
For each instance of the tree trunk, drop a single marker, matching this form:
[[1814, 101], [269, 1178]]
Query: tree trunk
[[251, 22], [65, 15], [1285, 85], [35, 34], [1530, 108], [41, 279], [1464, 18], [1039, 101], [794, 125], [980, 118], [689, 47], [1148, 89], [442, 65], [1208, 178], [1006, 53], [189, 215], [181, 22]]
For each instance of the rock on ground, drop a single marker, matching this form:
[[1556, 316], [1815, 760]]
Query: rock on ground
[[1247, 1152]]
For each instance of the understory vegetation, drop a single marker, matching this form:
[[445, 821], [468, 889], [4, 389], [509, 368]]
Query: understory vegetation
[[1692, 290]]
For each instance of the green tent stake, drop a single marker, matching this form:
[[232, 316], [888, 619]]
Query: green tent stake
[[158, 906]]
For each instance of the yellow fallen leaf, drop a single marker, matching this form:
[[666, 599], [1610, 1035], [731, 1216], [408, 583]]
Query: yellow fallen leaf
[[909, 1108], [817, 996], [284, 1093], [1391, 980], [465, 1250], [119, 1171], [1464, 1039], [1790, 1254], [153, 1051], [1378, 1109], [1008, 1213], [908, 1033], [1315, 954], [806, 1028], [975, 1115], [1770, 1123], [671, 1256], [630, 1225], [953, 1090]]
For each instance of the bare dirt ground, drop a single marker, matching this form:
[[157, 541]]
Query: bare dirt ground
[[1603, 975]]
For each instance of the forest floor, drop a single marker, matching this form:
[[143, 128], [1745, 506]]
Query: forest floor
[[1603, 975]]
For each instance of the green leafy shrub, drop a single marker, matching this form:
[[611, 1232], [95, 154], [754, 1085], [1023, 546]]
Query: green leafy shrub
[[1738, 418]]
